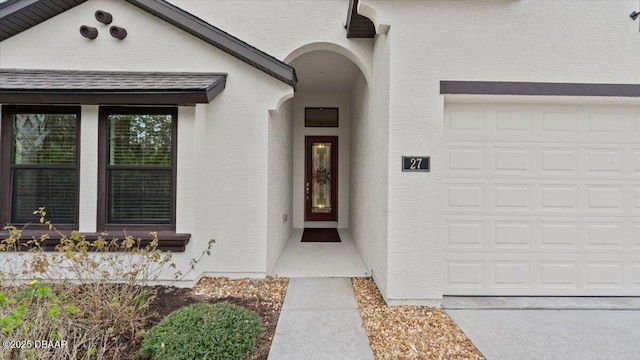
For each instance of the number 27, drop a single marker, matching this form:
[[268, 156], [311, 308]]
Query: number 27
[[415, 164]]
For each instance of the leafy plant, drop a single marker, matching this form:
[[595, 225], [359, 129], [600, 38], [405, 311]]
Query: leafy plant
[[92, 294], [204, 331]]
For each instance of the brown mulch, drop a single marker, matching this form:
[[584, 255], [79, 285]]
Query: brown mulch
[[264, 296], [409, 332]]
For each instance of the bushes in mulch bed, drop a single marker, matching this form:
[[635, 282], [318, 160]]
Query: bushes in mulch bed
[[204, 331], [89, 299]]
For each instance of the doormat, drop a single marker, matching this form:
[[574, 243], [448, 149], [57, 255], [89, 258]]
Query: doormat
[[320, 235]]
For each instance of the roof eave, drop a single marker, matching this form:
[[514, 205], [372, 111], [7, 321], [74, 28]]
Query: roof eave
[[13, 6], [101, 97], [358, 26], [17, 16], [216, 88]]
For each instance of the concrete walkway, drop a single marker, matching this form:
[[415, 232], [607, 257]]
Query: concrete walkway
[[320, 320], [322, 259]]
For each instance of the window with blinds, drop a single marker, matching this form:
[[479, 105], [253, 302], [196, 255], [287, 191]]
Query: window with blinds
[[140, 166], [42, 164]]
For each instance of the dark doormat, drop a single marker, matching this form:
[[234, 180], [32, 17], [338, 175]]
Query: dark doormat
[[320, 235]]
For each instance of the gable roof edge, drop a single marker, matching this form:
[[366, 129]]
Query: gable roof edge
[[178, 18], [219, 38]]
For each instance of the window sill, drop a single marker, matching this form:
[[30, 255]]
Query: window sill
[[168, 240]]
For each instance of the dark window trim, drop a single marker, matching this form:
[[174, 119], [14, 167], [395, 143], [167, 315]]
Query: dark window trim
[[537, 89], [306, 110], [6, 129], [103, 152]]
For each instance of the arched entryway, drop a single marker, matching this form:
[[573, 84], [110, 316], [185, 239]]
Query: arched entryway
[[320, 124]]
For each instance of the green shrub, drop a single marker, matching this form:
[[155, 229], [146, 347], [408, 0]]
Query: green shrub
[[203, 331]]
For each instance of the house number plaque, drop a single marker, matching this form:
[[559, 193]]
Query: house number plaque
[[415, 163]]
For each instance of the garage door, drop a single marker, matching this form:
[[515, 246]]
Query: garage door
[[542, 199]]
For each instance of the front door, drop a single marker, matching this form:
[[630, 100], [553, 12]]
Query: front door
[[321, 178]]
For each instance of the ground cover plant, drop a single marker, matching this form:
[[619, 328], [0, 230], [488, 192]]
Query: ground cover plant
[[204, 331]]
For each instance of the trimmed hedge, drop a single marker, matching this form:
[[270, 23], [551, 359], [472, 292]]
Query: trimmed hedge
[[204, 331]]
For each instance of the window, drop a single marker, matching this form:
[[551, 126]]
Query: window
[[137, 167], [39, 163], [321, 117]]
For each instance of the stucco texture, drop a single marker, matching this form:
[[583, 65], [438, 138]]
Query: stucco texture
[[430, 41]]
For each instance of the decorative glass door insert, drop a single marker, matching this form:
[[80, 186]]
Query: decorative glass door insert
[[321, 179]]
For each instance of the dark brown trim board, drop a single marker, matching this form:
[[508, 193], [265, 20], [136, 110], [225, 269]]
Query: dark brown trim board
[[538, 89], [5, 161], [20, 15], [103, 98]]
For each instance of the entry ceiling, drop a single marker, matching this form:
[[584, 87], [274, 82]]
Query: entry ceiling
[[325, 72]]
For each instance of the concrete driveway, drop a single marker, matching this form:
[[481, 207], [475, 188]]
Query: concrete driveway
[[579, 329]]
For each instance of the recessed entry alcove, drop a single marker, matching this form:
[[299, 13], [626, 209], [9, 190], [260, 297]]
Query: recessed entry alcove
[[319, 125]]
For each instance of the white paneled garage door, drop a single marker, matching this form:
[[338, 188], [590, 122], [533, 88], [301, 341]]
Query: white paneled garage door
[[542, 199]]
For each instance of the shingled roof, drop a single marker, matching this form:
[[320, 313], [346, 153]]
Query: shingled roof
[[19, 15], [108, 87]]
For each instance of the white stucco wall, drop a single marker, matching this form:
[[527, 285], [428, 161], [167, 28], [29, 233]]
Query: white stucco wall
[[280, 182], [369, 184], [545, 41], [279, 27], [368, 217], [222, 146], [341, 101]]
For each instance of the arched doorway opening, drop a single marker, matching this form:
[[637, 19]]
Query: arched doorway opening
[[330, 104]]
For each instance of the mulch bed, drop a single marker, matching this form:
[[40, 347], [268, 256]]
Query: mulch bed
[[409, 332], [264, 296]]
